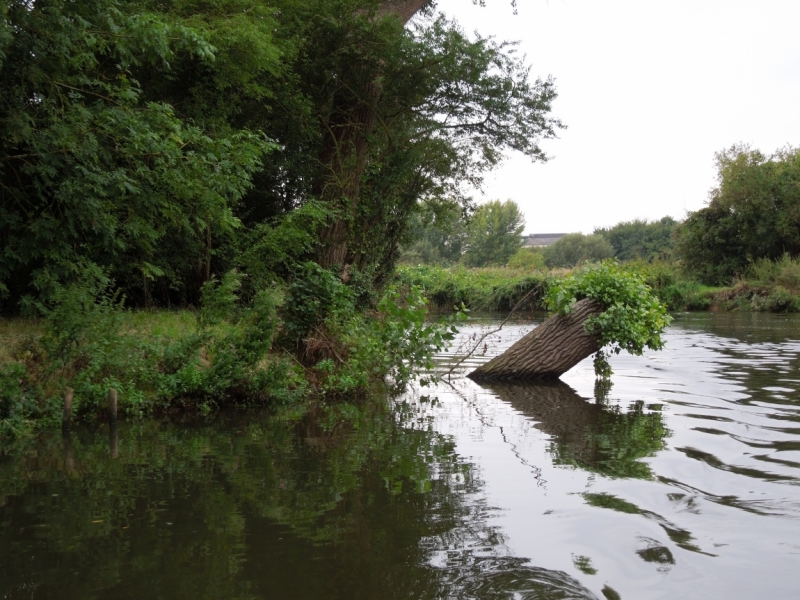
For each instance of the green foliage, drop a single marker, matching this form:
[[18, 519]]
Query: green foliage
[[397, 341], [576, 248], [314, 295], [529, 259], [751, 215], [17, 406], [450, 106], [436, 235], [477, 289], [404, 339], [784, 272], [670, 284], [633, 318], [216, 155], [87, 346], [91, 171], [779, 299], [639, 239], [493, 234], [277, 248]]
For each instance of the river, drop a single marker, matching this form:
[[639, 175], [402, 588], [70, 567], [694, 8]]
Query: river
[[678, 481]]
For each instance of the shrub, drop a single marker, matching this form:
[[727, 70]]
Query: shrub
[[633, 318], [529, 259], [784, 271], [576, 248]]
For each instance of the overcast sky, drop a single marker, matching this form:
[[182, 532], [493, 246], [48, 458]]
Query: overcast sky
[[649, 90]]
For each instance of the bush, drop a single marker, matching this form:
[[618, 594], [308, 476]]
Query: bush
[[529, 259], [751, 215], [576, 248], [640, 240], [477, 289], [784, 271], [633, 318], [85, 345], [685, 295]]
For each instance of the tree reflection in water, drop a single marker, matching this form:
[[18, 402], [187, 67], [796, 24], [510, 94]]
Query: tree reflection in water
[[598, 437], [367, 503]]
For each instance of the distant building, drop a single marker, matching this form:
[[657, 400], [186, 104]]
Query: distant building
[[540, 240]]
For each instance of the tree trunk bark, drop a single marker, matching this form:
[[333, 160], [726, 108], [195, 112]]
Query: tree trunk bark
[[347, 149], [548, 351], [402, 9]]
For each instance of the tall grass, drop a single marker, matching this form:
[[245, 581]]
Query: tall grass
[[488, 288], [768, 286], [784, 272]]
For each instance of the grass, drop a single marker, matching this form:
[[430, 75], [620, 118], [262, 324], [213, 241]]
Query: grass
[[767, 286], [489, 288], [14, 333], [162, 325]]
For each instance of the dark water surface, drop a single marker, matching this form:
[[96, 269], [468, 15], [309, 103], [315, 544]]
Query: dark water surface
[[681, 481]]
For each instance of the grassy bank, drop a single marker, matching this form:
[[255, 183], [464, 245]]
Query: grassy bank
[[767, 286], [274, 351], [489, 288]]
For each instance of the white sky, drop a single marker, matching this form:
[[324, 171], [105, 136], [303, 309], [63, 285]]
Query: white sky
[[649, 90]]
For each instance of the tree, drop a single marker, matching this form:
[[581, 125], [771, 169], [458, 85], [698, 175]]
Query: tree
[[575, 248], [160, 143], [94, 176], [527, 258], [640, 239], [436, 235], [600, 309], [413, 112], [494, 234], [753, 213]]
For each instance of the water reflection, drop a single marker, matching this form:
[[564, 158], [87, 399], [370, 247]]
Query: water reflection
[[596, 436], [367, 504], [681, 482]]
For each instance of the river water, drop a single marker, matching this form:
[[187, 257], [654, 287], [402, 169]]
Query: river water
[[680, 481]]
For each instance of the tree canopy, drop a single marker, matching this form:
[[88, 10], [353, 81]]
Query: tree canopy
[[494, 234], [158, 143], [575, 248], [753, 213], [640, 239]]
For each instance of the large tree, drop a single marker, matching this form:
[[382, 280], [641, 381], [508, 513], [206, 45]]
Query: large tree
[[94, 176], [753, 213], [417, 110]]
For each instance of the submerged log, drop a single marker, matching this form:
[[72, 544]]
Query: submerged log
[[550, 350]]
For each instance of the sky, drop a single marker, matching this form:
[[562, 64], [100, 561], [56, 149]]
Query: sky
[[650, 91]]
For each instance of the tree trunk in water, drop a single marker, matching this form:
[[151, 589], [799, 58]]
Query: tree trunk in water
[[548, 351]]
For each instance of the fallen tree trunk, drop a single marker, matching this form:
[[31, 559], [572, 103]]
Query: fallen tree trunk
[[550, 350]]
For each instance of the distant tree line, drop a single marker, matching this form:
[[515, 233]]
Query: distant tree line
[[753, 214], [492, 237]]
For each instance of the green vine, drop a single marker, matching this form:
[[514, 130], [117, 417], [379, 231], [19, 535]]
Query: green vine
[[633, 318]]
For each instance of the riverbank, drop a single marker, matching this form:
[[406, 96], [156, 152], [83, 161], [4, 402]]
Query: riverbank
[[268, 353], [769, 286], [452, 491]]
